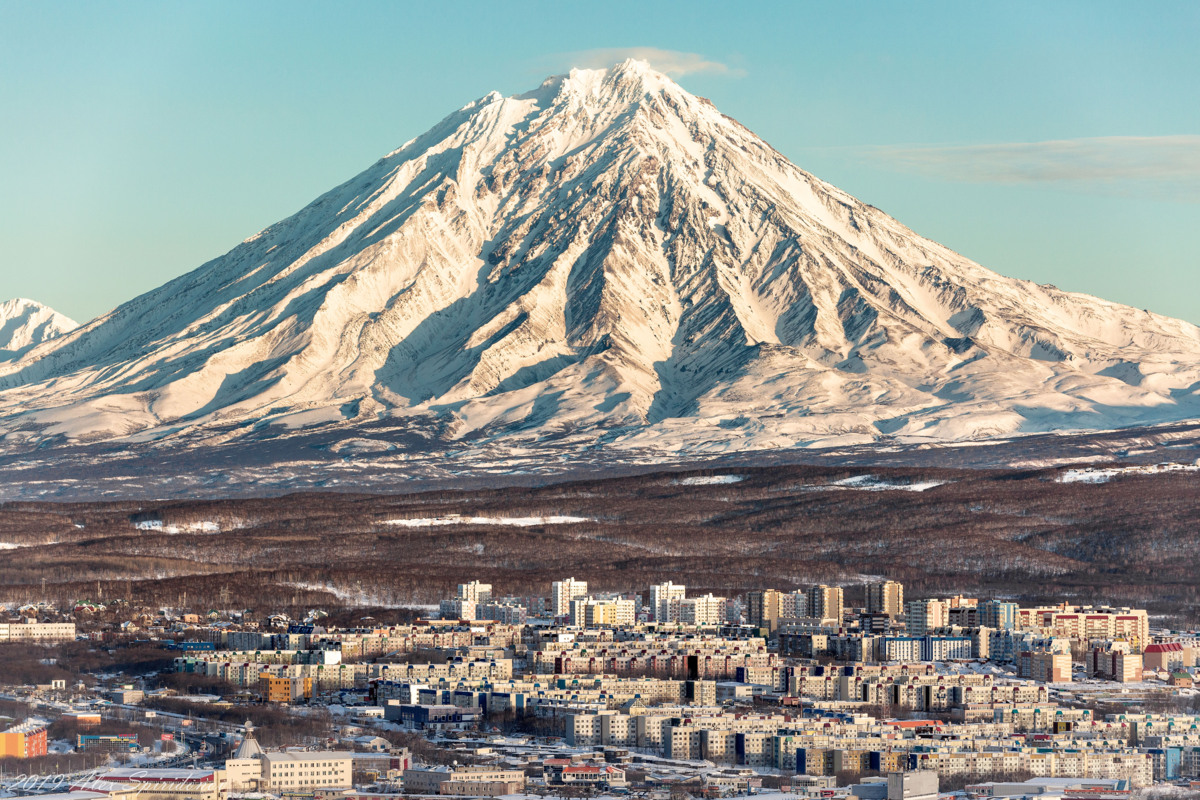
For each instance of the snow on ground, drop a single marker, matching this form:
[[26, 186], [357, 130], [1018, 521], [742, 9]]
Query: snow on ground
[[11, 545], [157, 525], [359, 596], [1105, 474], [870, 483], [455, 519], [708, 480]]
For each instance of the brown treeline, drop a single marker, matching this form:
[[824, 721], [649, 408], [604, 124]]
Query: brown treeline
[[1133, 540]]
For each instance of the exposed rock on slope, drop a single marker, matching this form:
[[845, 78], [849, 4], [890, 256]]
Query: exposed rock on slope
[[604, 259]]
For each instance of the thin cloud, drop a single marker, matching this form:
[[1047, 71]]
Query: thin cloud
[[675, 63], [1126, 164]]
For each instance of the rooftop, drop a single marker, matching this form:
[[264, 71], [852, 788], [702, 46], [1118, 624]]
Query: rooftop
[[308, 755]]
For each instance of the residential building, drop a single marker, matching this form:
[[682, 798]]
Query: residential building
[[998, 614], [304, 770], [917, 785], [825, 603], [26, 740], [886, 597], [946, 648], [457, 608], [508, 613], [903, 649], [763, 608], [793, 605], [286, 689], [1045, 666], [563, 593], [462, 780], [32, 631], [706, 610], [1114, 662], [664, 601], [590, 613], [475, 591], [923, 616], [1168, 656]]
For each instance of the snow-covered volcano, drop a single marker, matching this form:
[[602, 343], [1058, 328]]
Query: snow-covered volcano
[[24, 323], [606, 258]]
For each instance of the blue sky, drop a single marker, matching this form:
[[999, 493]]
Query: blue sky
[[1053, 141]]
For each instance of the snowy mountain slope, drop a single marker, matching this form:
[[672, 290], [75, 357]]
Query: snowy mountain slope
[[604, 259], [24, 323]]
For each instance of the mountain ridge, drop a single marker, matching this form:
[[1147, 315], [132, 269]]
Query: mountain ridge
[[606, 258], [26, 323]]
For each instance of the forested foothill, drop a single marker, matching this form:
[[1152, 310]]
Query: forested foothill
[[1074, 534]]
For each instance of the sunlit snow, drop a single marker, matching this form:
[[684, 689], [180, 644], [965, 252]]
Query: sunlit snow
[[1105, 474], [708, 480], [454, 519], [870, 483], [193, 527]]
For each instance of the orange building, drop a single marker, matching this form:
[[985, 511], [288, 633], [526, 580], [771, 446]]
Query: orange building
[[27, 740], [288, 689]]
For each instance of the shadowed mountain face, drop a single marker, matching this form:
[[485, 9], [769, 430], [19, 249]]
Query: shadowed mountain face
[[604, 259]]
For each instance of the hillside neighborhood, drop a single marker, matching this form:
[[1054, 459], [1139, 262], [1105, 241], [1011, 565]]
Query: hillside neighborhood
[[653, 692]]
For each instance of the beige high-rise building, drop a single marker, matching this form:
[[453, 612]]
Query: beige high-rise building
[[1044, 666], [475, 591], [589, 613], [762, 608], [925, 615], [886, 597], [825, 603]]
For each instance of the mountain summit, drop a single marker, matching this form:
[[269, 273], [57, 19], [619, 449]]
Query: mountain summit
[[605, 259], [24, 323]]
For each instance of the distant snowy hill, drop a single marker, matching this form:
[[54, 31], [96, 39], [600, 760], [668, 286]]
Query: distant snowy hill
[[606, 260], [24, 323]]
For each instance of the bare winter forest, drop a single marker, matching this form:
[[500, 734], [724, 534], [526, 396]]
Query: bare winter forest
[[1129, 538]]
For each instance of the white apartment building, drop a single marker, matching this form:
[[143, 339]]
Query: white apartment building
[[476, 592], [664, 600], [37, 631], [706, 610], [926, 615], [458, 608], [563, 593], [793, 605], [300, 770]]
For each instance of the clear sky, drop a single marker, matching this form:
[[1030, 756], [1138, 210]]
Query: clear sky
[[1055, 141]]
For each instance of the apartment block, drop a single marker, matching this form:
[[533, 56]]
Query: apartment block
[[32, 631], [665, 599], [826, 603], [706, 610], [1045, 666], [565, 592], [886, 597], [475, 591], [26, 740]]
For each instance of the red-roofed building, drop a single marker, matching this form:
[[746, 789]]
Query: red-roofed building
[[1168, 656], [606, 775]]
